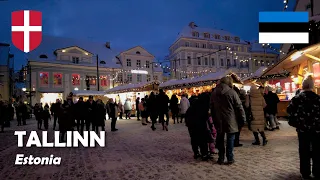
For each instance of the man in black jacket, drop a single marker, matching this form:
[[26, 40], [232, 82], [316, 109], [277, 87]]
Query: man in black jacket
[[137, 108], [80, 107], [91, 107], [304, 114], [55, 109], [163, 101]]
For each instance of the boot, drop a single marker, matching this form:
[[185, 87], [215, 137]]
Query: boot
[[256, 137], [265, 141]]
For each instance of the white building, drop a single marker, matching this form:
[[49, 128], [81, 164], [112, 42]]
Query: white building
[[198, 51], [138, 65], [61, 65]]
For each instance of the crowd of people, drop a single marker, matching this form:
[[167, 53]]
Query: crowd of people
[[209, 117]]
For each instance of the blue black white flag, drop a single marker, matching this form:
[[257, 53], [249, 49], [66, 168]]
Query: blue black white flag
[[284, 27]]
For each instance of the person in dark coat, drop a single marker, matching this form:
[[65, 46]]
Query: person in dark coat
[[196, 121], [272, 101], [174, 108], [66, 119], [137, 108], [227, 112], [91, 107], [152, 106], [242, 96], [163, 102], [11, 112], [45, 117], [38, 110], [100, 116], [3, 115], [146, 99], [80, 115], [55, 109], [113, 114], [304, 115]]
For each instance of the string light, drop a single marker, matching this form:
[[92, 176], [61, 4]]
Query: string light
[[285, 2]]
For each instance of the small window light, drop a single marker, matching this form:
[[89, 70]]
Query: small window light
[[63, 50], [86, 54]]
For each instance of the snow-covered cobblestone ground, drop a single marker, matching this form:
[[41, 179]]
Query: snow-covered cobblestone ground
[[136, 152]]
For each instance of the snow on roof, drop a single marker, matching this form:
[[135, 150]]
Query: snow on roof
[[315, 18], [129, 87], [214, 76], [256, 47], [51, 43], [187, 32], [88, 93]]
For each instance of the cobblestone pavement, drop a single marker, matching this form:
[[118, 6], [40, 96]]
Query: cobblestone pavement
[[135, 152]]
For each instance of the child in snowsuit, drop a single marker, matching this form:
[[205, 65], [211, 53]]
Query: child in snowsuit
[[212, 136]]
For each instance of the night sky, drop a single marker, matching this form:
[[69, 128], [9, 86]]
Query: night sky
[[153, 24]]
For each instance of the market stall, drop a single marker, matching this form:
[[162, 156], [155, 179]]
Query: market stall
[[287, 75], [198, 85], [86, 93], [132, 92]]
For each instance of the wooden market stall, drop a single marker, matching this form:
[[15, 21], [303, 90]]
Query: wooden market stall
[[132, 92], [86, 93], [198, 85], [287, 75]]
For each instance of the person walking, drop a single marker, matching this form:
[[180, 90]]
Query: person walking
[[184, 105], [255, 103], [146, 100], [196, 121], [11, 113], [91, 107], [143, 110], [45, 116], [3, 115], [128, 108], [137, 108], [99, 121], [227, 111], [80, 115], [152, 108], [304, 115], [113, 114], [174, 108], [272, 101], [66, 119], [55, 109], [38, 110], [163, 101], [120, 109]]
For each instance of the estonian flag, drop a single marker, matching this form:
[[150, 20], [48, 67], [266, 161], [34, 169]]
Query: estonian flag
[[284, 27]]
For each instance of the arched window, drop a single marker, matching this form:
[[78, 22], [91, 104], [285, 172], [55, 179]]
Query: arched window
[[138, 52], [102, 62], [43, 56]]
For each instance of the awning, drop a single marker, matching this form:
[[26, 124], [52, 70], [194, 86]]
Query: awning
[[145, 86], [295, 58], [88, 93]]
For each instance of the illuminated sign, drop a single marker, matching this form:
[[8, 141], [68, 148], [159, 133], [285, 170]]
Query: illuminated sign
[[139, 72]]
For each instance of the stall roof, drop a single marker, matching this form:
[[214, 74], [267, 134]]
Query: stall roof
[[88, 93], [199, 81], [130, 87], [293, 59]]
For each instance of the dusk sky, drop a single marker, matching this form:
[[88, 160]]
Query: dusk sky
[[153, 24]]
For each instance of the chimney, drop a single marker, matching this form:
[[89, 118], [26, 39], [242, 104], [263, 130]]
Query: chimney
[[107, 45], [192, 25]]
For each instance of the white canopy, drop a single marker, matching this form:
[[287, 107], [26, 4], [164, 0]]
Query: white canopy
[[88, 93], [129, 87]]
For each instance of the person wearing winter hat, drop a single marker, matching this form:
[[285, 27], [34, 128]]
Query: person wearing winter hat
[[304, 115]]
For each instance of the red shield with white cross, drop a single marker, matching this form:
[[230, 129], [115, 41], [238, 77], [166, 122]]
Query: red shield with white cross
[[26, 29]]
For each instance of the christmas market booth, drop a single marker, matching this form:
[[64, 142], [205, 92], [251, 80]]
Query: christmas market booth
[[197, 85], [287, 75], [253, 78], [86, 93], [132, 92]]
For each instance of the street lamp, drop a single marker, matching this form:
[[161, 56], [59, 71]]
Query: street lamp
[[24, 89]]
